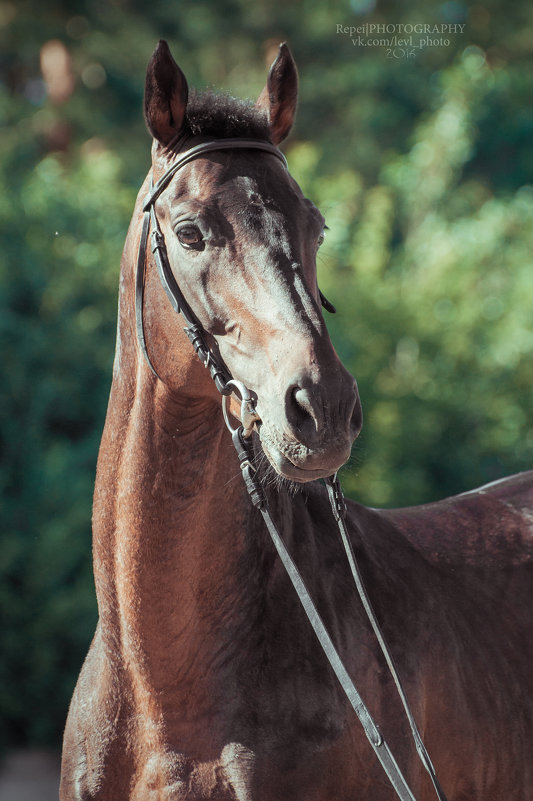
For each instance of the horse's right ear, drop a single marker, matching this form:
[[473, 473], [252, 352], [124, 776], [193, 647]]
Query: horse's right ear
[[165, 95], [279, 97]]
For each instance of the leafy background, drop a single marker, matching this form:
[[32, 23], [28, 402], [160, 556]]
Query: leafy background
[[423, 167]]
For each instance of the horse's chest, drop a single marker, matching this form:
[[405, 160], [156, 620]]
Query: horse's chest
[[169, 776], [239, 774]]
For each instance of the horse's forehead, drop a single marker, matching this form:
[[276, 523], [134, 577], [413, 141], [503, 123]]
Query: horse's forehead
[[267, 195], [251, 187], [238, 192], [252, 191], [205, 180]]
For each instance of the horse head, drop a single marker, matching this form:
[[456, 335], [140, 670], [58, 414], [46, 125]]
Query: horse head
[[242, 242]]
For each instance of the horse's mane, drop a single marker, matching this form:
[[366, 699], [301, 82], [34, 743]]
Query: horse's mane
[[223, 116]]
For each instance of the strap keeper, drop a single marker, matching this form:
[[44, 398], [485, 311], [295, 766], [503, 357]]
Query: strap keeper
[[336, 497], [245, 452], [158, 241], [196, 338]]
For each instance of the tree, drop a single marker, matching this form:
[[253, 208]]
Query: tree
[[423, 168]]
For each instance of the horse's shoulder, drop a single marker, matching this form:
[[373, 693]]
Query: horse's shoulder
[[489, 527]]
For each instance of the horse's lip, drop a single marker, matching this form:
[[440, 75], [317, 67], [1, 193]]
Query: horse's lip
[[291, 471]]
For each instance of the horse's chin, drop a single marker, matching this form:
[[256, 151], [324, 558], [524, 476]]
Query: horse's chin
[[291, 472]]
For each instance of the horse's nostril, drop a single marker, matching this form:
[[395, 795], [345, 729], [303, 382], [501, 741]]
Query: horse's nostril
[[301, 414]]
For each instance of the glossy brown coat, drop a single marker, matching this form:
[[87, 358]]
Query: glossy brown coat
[[204, 680]]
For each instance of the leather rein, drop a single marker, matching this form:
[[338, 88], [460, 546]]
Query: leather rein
[[242, 442]]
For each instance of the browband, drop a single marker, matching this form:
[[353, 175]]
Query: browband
[[207, 147]]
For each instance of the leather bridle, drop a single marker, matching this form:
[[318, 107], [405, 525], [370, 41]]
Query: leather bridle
[[194, 329], [242, 441]]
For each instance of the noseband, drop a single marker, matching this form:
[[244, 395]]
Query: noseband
[[243, 445]]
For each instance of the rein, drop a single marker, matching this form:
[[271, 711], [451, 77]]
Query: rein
[[241, 438]]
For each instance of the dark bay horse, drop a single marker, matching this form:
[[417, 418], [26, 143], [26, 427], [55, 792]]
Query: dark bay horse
[[204, 679]]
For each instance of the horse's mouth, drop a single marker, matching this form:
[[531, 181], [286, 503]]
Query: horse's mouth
[[288, 469]]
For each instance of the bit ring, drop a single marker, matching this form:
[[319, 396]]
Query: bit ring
[[249, 415]]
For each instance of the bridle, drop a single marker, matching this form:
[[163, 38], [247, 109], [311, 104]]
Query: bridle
[[242, 441], [194, 330]]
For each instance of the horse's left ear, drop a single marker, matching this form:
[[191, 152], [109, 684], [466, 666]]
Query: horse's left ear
[[165, 95], [278, 98]]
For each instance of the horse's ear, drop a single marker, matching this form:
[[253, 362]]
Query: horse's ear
[[278, 98], [165, 95]]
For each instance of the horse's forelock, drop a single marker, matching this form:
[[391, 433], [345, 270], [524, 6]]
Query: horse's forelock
[[224, 116]]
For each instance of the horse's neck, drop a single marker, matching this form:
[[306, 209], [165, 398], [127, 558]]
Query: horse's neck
[[177, 552], [189, 588]]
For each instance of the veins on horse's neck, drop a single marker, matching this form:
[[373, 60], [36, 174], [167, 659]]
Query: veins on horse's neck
[[186, 447], [187, 416], [171, 503]]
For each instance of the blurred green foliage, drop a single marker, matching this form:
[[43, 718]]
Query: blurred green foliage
[[423, 167]]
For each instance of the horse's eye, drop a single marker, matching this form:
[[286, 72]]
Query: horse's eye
[[189, 235], [320, 240]]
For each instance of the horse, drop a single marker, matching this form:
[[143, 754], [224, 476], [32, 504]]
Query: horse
[[204, 679]]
